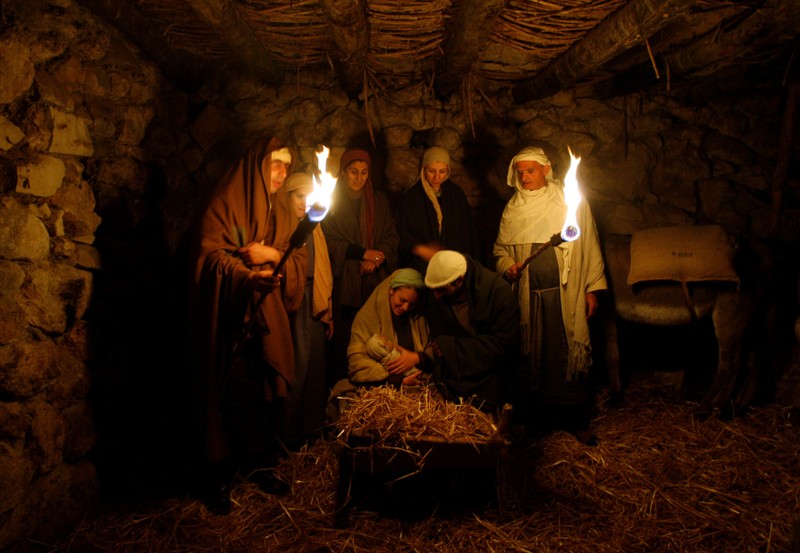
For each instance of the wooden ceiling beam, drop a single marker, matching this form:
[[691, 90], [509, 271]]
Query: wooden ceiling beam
[[468, 34], [187, 72], [713, 51], [234, 31], [775, 20], [628, 26], [348, 26]]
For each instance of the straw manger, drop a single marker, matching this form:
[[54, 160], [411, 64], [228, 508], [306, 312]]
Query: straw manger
[[389, 435], [393, 416], [658, 481]]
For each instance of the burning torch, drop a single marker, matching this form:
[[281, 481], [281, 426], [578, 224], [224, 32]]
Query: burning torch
[[572, 196], [318, 203]]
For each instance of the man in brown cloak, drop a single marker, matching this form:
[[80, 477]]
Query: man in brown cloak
[[242, 337]]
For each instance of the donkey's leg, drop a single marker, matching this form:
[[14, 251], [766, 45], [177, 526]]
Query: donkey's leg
[[729, 329]]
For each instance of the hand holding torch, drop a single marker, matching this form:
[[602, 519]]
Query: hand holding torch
[[319, 202]]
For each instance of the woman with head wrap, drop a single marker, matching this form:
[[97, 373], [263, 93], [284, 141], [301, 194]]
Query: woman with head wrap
[[391, 316], [311, 317], [362, 242], [434, 214], [238, 309], [556, 292], [393, 311]]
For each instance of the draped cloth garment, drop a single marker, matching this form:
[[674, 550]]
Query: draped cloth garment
[[375, 317], [533, 217], [451, 225], [477, 360], [365, 222], [241, 211], [309, 312]]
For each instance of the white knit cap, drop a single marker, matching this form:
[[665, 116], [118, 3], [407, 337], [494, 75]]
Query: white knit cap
[[284, 155], [445, 267]]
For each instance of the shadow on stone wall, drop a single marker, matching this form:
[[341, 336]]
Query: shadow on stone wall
[[142, 380]]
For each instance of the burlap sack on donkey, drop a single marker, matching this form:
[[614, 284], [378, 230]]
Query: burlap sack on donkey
[[684, 254]]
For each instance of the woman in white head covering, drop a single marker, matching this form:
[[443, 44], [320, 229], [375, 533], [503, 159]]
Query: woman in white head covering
[[434, 213], [556, 291], [311, 315]]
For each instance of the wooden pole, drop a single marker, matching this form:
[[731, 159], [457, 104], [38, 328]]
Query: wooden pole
[[555, 240], [785, 150]]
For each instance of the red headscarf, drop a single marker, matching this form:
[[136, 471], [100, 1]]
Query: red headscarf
[[367, 222]]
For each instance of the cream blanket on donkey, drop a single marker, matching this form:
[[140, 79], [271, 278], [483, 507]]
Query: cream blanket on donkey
[[683, 254]]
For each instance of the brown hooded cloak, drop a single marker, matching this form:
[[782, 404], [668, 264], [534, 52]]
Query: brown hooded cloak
[[241, 211]]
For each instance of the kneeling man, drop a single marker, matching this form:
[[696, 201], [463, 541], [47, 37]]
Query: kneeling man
[[474, 328]]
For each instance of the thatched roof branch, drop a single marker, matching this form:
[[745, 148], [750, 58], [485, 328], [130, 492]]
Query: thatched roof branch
[[469, 33], [224, 18], [348, 27], [544, 46], [629, 25]]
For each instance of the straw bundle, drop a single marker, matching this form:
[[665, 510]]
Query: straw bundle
[[294, 32], [390, 415], [538, 32], [406, 38]]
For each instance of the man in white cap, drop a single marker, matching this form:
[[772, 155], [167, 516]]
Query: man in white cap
[[557, 294], [474, 328]]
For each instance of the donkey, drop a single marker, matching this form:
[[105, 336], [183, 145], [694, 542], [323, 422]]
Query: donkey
[[668, 303]]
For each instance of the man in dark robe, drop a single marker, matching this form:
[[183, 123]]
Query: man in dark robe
[[474, 328]]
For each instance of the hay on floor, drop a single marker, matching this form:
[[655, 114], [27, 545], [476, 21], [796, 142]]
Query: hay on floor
[[659, 480]]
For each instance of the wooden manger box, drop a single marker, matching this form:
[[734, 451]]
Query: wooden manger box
[[409, 451]]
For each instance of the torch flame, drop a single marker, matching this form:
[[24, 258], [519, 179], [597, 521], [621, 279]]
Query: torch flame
[[318, 201], [572, 195]]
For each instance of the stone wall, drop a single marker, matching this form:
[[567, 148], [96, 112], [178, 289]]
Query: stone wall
[[75, 103], [700, 155], [104, 166]]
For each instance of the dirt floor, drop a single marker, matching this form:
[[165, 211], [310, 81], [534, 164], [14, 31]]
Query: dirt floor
[[659, 479]]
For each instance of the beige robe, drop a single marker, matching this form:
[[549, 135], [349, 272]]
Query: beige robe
[[580, 263], [375, 317]]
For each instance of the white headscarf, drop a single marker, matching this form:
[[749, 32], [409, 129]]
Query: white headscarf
[[532, 216], [283, 154], [434, 154]]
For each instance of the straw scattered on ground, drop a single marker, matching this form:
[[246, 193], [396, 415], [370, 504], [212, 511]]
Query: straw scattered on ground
[[659, 480]]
